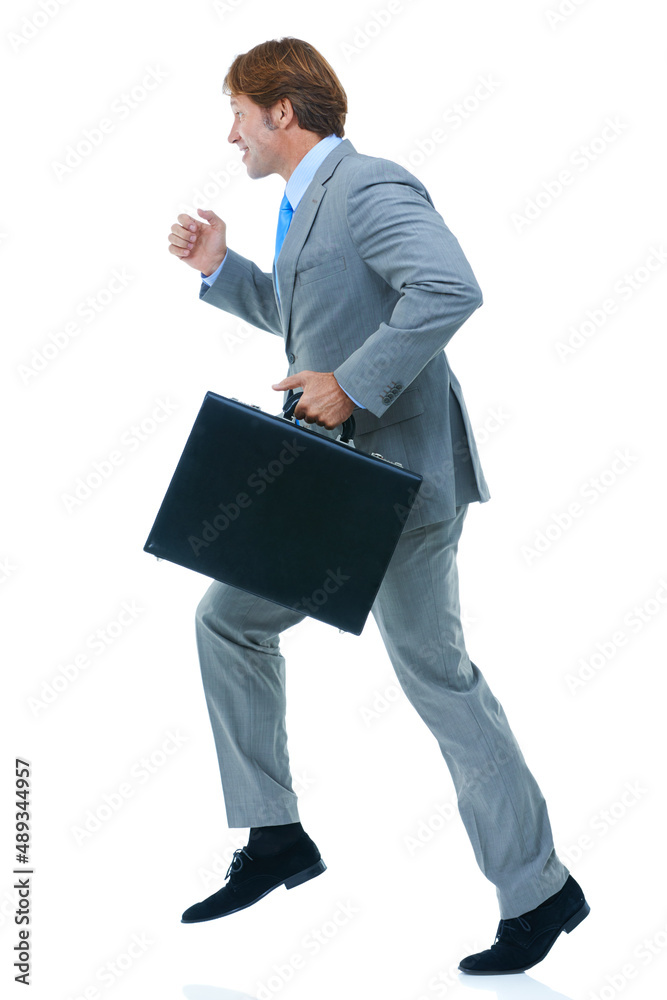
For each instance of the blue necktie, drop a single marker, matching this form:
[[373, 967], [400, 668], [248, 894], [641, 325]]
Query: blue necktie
[[284, 220]]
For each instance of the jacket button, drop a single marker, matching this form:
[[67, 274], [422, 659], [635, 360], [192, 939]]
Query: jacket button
[[291, 358], [386, 399]]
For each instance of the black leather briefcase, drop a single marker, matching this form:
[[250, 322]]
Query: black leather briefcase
[[283, 512]]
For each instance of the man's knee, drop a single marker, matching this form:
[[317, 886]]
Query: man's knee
[[209, 614], [224, 611]]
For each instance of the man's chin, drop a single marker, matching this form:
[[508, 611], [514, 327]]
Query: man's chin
[[254, 173]]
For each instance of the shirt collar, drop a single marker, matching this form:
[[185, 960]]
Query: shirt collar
[[306, 168]]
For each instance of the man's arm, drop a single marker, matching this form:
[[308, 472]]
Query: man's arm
[[239, 287], [398, 233], [243, 290]]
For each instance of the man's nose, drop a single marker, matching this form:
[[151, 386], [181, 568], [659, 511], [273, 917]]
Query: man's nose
[[233, 134]]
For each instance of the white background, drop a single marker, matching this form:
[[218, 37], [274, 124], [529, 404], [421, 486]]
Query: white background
[[370, 774]]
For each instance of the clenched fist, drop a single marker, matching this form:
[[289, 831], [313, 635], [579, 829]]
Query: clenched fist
[[202, 245]]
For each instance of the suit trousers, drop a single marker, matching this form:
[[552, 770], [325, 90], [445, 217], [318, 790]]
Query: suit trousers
[[418, 615]]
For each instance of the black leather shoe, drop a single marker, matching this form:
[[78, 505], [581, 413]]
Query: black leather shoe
[[524, 941], [252, 878]]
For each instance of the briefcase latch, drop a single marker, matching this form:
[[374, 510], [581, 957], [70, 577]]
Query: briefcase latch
[[376, 454], [253, 406]]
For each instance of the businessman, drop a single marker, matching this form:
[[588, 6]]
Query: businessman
[[367, 288]]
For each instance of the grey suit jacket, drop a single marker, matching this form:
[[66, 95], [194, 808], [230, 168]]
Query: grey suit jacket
[[373, 286]]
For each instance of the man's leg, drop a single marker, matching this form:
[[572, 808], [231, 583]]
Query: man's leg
[[418, 615], [243, 672]]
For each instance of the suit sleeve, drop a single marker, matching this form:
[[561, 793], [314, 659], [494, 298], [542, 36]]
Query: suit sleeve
[[398, 233], [245, 291]]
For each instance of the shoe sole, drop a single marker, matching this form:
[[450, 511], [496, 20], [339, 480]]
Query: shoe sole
[[290, 883], [307, 873], [573, 922]]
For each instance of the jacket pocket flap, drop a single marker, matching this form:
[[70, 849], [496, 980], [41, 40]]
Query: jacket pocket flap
[[322, 270]]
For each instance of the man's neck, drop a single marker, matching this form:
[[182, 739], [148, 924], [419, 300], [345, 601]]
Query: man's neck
[[301, 145]]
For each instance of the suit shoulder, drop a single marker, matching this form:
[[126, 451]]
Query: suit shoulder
[[368, 168]]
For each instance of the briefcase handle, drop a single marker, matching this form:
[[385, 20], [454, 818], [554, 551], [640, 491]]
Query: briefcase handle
[[289, 406]]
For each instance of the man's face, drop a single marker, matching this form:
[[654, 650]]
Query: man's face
[[261, 146]]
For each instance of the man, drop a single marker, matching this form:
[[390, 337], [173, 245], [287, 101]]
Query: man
[[368, 287]]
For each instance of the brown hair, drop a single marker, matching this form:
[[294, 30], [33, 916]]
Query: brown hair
[[290, 67]]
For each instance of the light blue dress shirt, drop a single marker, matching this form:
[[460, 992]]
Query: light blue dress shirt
[[294, 190]]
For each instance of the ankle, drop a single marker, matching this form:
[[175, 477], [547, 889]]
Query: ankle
[[268, 840]]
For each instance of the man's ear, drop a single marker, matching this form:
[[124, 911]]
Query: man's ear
[[283, 112]]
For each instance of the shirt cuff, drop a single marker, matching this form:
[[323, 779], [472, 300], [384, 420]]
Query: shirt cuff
[[361, 407], [210, 278]]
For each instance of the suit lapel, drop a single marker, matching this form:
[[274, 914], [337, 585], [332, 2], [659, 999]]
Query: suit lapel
[[300, 227]]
